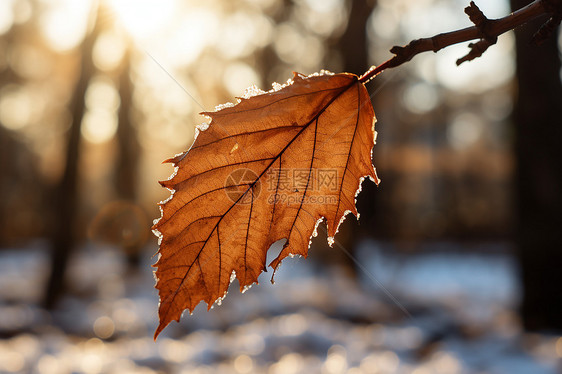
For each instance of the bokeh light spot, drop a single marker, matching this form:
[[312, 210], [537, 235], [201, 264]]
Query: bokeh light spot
[[420, 98], [243, 364], [104, 327], [64, 25], [99, 126], [238, 76], [465, 129], [108, 51]]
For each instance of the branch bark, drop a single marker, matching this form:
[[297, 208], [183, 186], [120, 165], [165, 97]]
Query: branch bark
[[487, 30]]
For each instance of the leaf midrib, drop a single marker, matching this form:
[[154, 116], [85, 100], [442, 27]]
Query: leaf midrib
[[320, 112]]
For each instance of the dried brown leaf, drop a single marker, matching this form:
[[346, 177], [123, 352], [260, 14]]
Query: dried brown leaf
[[271, 167]]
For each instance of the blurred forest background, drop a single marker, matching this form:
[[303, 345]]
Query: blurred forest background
[[95, 94]]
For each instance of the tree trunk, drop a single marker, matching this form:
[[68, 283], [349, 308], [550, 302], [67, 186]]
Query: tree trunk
[[65, 204], [538, 124], [353, 43], [129, 149]]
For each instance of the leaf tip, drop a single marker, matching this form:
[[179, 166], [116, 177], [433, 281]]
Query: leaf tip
[[297, 76], [176, 159], [161, 326]]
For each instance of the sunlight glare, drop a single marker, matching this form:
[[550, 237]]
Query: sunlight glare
[[64, 23], [6, 16], [199, 28], [141, 18]]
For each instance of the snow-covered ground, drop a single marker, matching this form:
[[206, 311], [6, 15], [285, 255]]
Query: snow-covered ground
[[443, 311]]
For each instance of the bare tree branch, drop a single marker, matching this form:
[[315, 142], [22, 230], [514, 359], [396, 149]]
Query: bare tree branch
[[487, 30]]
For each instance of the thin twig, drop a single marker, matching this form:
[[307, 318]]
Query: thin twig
[[487, 30]]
